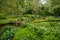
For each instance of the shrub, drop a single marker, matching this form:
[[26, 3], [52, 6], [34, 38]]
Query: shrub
[[24, 34], [7, 33], [55, 11], [38, 31]]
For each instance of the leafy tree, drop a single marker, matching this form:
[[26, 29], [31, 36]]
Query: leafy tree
[[55, 10]]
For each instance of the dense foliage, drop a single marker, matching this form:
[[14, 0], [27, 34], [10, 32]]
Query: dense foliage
[[29, 19]]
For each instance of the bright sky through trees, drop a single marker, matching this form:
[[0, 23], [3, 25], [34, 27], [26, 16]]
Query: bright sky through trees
[[43, 1]]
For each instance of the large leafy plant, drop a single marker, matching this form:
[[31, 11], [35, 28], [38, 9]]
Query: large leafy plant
[[7, 33]]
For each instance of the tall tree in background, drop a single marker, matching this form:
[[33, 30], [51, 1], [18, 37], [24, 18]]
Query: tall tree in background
[[54, 2], [15, 6]]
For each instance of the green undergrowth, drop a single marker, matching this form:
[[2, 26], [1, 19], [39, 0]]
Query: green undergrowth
[[32, 31], [39, 31], [7, 33], [31, 28]]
